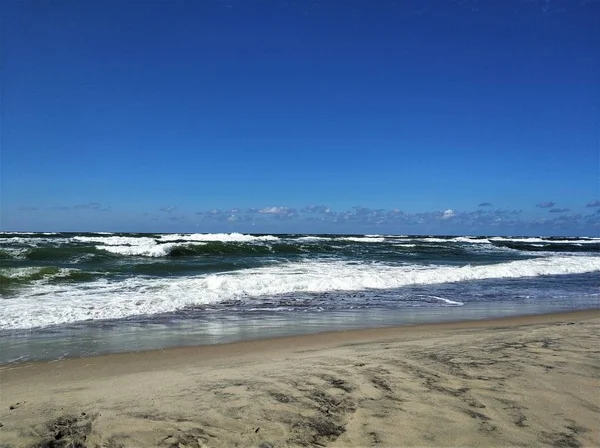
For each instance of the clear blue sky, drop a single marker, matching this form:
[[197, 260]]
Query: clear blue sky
[[236, 115]]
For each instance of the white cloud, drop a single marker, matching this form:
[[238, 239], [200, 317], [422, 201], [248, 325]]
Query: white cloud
[[274, 210], [448, 214]]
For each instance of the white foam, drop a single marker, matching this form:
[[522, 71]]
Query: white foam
[[448, 301], [17, 240], [146, 250], [467, 239], [542, 240], [313, 238], [47, 304], [458, 239], [364, 239], [116, 240], [33, 241], [166, 238], [220, 237], [134, 246], [19, 273], [20, 253]]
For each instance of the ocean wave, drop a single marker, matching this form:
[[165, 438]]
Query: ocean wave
[[552, 246], [19, 240], [431, 240], [116, 240], [457, 239], [20, 276], [61, 253], [217, 237], [28, 233], [151, 249], [199, 248], [364, 239], [554, 240], [313, 238], [84, 247], [470, 240], [13, 254], [175, 237], [174, 244], [47, 304]]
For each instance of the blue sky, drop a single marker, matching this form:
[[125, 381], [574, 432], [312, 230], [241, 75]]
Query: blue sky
[[301, 116]]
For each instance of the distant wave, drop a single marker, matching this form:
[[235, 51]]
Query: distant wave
[[70, 249], [19, 276], [28, 233], [554, 240], [35, 240], [115, 240], [549, 246], [151, 249], [221, 237], [313, 238], [364, 239]]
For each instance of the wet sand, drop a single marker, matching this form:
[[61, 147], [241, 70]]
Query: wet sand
[[521, 381]]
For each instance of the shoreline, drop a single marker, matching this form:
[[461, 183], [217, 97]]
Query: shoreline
[[509, 381], [53, 344], [322, 340]]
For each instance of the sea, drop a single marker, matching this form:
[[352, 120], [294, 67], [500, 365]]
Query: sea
[[83, 294]]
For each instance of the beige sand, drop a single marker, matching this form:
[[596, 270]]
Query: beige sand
[[530, 381]]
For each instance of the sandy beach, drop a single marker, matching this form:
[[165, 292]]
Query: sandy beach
[[526, 381]]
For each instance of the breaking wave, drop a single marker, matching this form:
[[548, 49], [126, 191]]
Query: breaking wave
[[44, 304]]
